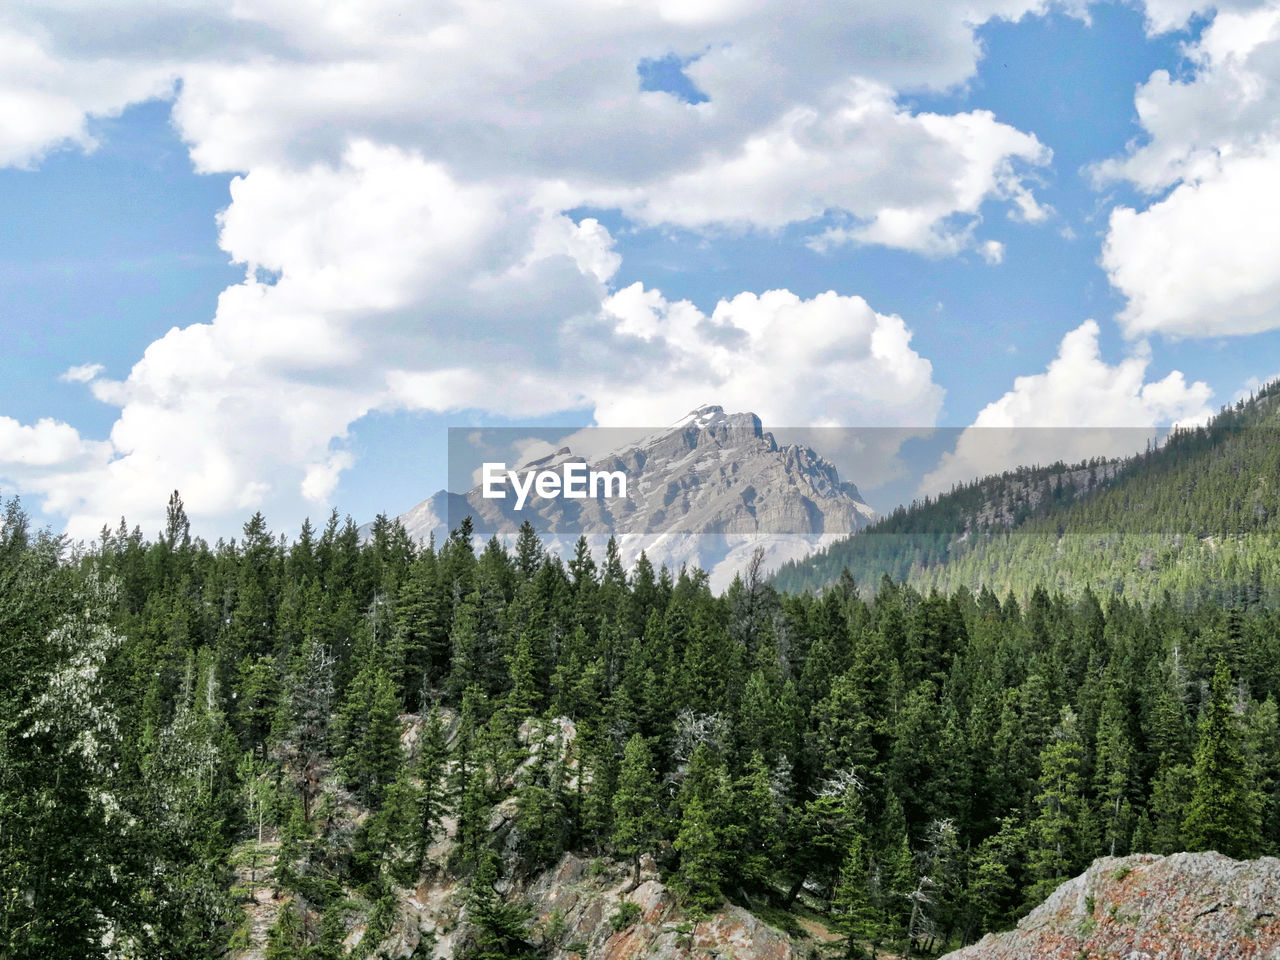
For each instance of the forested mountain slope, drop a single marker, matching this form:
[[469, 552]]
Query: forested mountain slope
[[1198, 516], [286, 743]]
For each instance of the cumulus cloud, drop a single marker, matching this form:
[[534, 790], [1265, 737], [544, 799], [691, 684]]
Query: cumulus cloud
[[47, 443], [644, 360], [380, 260], [1080, 407], [403, 173], [1201, 260], [848, 363], [993, 252], [47, 458], [1164, 16], [1204, 261], [46, 98], [913, 181], [513, 93]]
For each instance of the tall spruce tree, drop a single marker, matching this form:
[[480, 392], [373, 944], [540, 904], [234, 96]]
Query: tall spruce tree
[[1225, 813], [635, 804]]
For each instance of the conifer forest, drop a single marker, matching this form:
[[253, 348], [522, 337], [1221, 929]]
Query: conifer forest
[[337, 717]]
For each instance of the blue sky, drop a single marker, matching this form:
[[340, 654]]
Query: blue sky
[[551, 231]]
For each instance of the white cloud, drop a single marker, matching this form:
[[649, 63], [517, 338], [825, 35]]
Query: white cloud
[[645, 361], [1252, 385], [801, 101], [47, 458], [81, 373], [992, 251], [905, 179], [1164, 16], [1080, 407], [402, 175], [47, 443], [383, 260], [1202, 259], [1205, 261], [321, 479], [46, 98], [828, 361]]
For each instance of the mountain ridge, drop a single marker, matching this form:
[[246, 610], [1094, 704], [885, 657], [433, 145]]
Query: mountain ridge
[[1185, 517], [706, 491]]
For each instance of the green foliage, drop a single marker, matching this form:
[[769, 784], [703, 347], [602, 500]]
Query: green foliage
[[707, 836], [1226, 806], [635, 803], [914, 765], [501, 928], [1058, 838], [1195, 517], [541, 806], [625, 916]]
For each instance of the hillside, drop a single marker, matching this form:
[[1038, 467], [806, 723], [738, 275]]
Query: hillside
[[1197, 516], [579, 906]]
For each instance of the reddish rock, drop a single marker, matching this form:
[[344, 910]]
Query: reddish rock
[[1189, 906]]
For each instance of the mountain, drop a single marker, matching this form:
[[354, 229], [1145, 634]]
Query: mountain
[[1201, 905], [707, 491], [1196, 516]]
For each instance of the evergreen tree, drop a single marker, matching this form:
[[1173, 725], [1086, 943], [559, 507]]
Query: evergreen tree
[[431, 802], [705, 837], [1057, 847], [305, 721], [856, 917], [635, 804], [758, 830], [1226, 808]]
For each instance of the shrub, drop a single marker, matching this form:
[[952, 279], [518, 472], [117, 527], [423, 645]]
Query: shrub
[[626, 915]]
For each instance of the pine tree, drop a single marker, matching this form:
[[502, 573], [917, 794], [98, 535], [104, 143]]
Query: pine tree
[[856, 917], [305, 721], [1226, 808], [1113, 773], [995, 875], [501, 928], [371, 756], [756, 817], [705, 837], [472, 838], [541, 821], [635, 804], [431, 801], [1057, 846], [702, 856]]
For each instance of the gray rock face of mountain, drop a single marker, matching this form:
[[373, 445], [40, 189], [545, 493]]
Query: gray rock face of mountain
[[708, 491]]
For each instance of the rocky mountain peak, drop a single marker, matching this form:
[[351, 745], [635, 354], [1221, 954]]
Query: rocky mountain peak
[[702, 491]]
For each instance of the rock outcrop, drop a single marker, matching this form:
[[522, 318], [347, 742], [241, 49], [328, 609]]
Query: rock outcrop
[[579, 909], [1189, 906], [575, 907]]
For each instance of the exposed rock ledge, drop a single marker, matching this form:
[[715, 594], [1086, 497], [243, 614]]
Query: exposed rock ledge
[[1189, 906], [573, 905]]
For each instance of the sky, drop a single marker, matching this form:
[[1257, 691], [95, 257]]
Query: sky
[[267, 253]]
